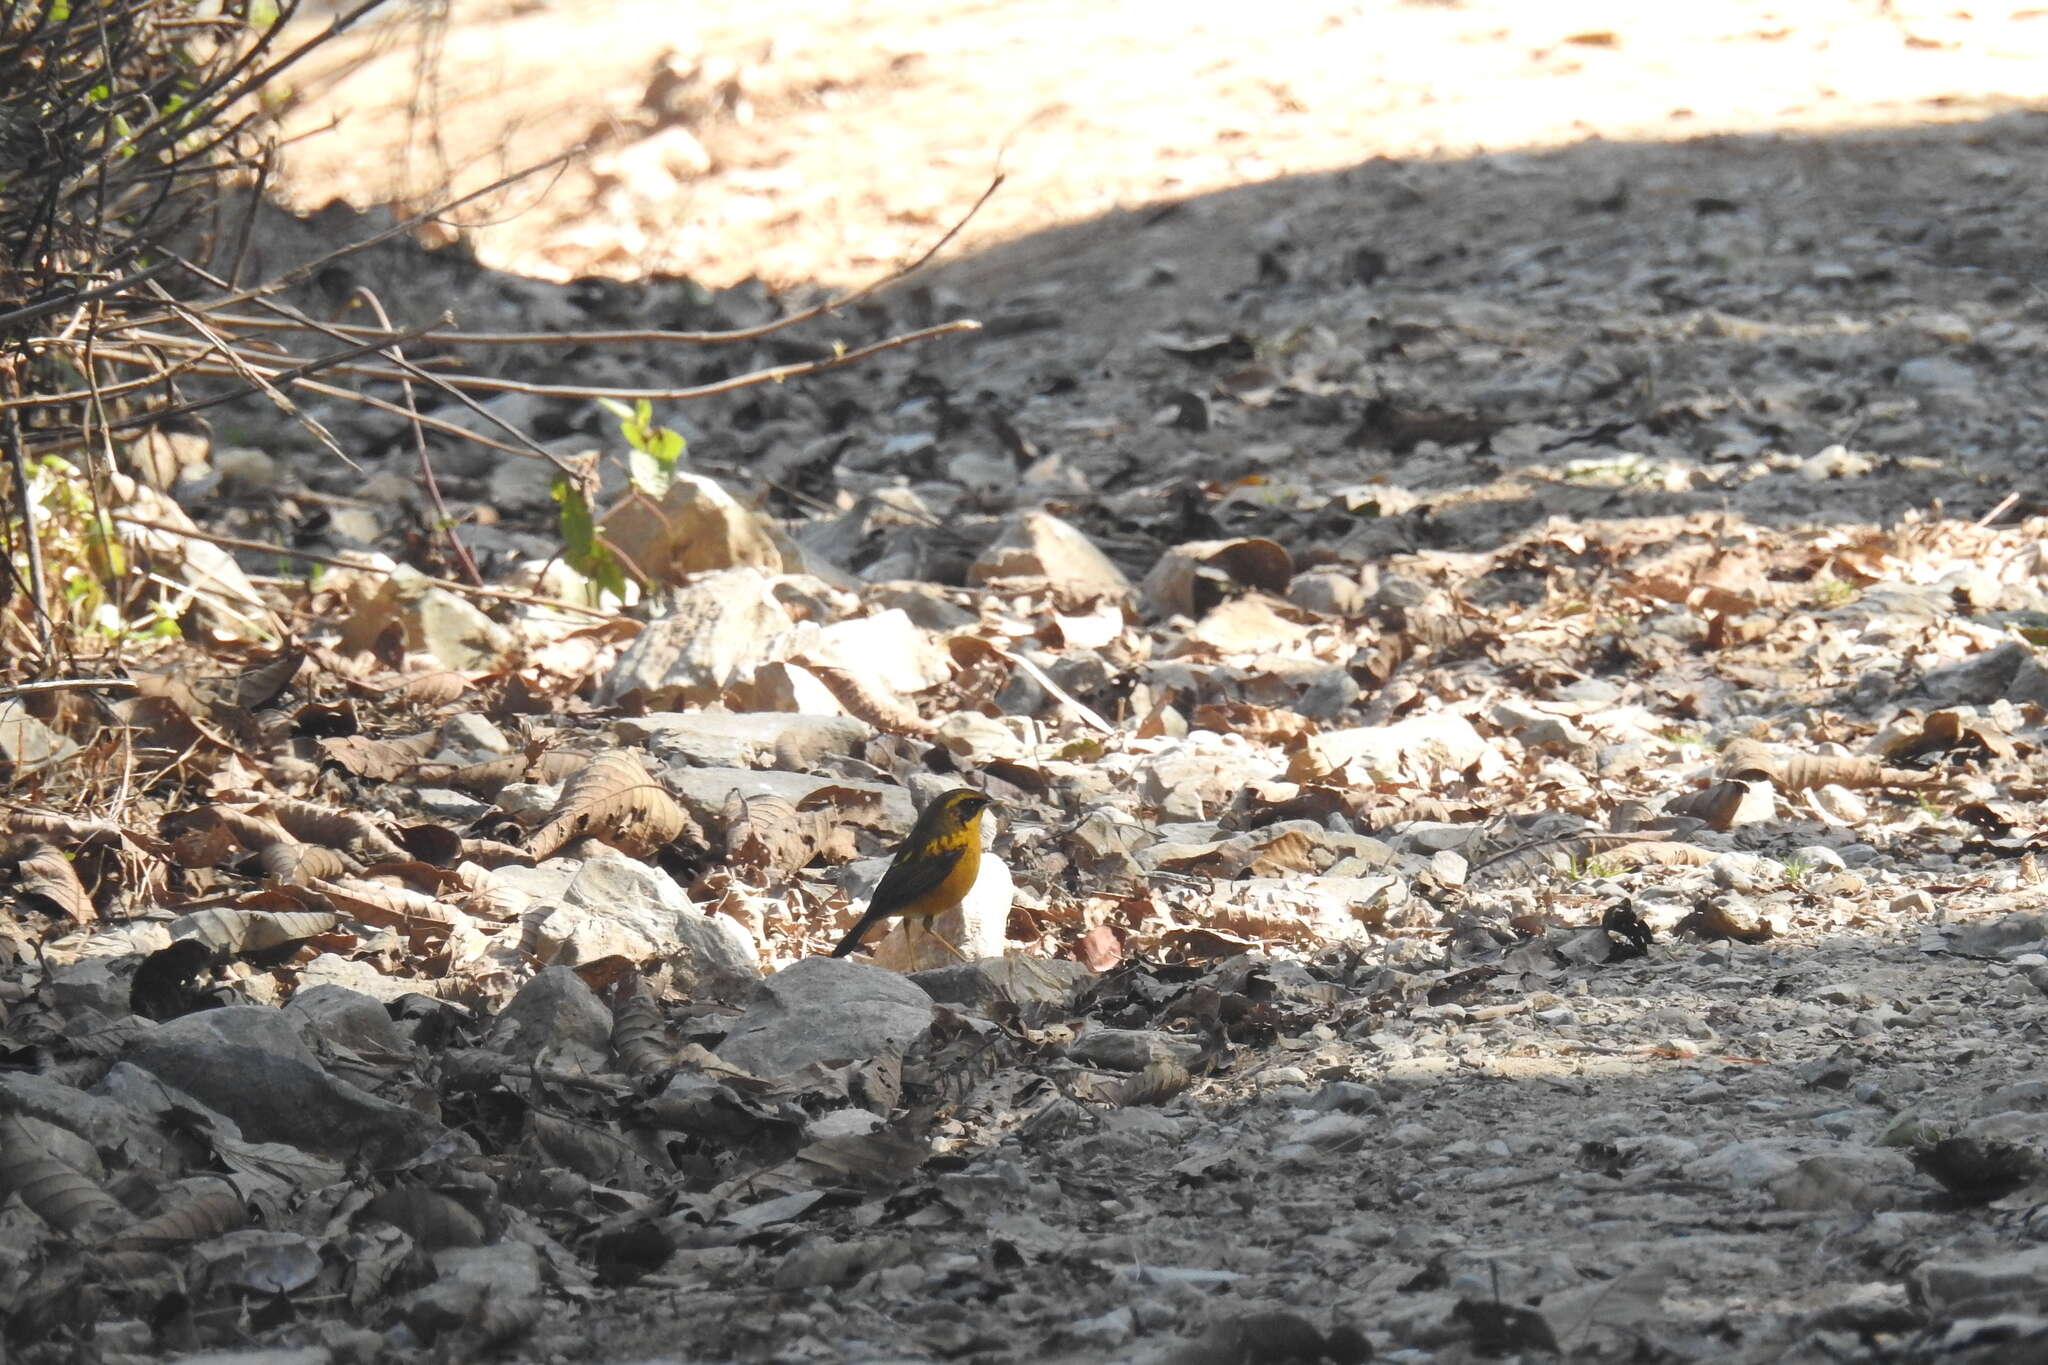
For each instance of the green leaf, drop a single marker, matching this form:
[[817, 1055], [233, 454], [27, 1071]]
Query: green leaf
[[581, 549]]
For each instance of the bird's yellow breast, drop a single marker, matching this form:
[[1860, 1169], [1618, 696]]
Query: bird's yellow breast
[[958, 881]]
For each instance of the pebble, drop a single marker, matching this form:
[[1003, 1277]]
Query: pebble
[[1917, 903], [1349, 1097], [1280, 1075]]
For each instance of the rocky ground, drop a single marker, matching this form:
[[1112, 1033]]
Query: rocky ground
[[1508, 659]]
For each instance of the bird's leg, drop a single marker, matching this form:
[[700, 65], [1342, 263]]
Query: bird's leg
[[933, 930]]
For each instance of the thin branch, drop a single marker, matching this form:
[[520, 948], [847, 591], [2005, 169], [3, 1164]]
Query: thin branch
[[774, 374], [444, 522], [659, 337], [261, 547], [58, 305]]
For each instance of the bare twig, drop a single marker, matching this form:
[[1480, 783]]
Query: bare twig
[[443, 521], [68, 685], [311, 557]]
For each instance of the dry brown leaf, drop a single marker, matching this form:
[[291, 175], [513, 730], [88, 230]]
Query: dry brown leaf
[[1261, 724], [1748, 758], [1099, 949], [1710, 920], [216, 1207], [769, 835], [43, 871], [602, 973], [350, 831], [865, 700], [1658, 853], [1193, 577], [66, 1199], [380, 760], [297, 864], [386, 906], [638, 1039], [614, 800], [253, 830], [252, 931], [1160, 1081], [442, 687], [1724, 805]]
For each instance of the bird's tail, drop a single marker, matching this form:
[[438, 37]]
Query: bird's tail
[[853, 935]]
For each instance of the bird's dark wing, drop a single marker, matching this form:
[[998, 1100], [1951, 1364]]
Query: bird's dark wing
[[908, 879]]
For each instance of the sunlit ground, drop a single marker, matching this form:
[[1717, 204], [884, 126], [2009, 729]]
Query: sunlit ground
[[824, 140]]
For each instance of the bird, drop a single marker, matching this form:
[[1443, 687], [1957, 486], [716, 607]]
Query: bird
[[934, 867]]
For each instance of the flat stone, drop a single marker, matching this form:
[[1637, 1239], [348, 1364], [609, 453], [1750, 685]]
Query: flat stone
[[742, 739], [826, 1010], [2018, 1276], [251, 1065], [1038, 545], [1125, 1049], [347, 1018], [556, 1013]]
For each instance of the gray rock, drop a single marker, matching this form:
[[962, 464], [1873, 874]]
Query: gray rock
[[714, 633], [352, 975], [2010, 671], [498, 1285], [1349, 1097], [974, 739], [923, 604], [1757, 1163], [1040, 988], [1198, 777], [2020, 1277], [252, 1066], [1038, 544], [1328, 592], [743, 739], [471, 733], [445, 803], [346, 1018], [615, 903], [94, 983], [452, 629], [825, 1009], [555, 1012], [1330, 695], [1125, 1049], [2003, 937]]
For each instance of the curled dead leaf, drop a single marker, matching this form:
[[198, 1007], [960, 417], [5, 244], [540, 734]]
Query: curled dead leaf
[[1160, 1081], [380, 760], [252, 931], [66, 1199], [1191, 578], [1750, 759], [215, 1207], [868, 701], [43, 872], [638, 1039], [615, 801]]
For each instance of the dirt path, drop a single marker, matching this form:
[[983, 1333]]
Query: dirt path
[[1478, 283], [825, 141]]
